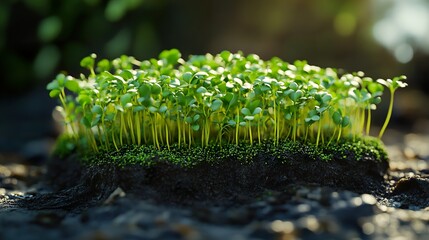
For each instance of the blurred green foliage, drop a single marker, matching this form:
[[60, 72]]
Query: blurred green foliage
[[41, 37], [38, 38]]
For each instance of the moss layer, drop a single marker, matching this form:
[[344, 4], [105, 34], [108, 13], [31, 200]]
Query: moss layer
[[147, 155]]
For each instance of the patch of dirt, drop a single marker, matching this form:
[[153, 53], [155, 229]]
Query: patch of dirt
[[226, 182]]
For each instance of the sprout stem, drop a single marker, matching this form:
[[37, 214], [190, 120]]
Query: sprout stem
[[319, 128], [250, 134], [368, 121], [237, 126], [389, 114]]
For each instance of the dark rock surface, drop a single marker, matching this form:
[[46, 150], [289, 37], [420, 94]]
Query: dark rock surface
[[106, 203]]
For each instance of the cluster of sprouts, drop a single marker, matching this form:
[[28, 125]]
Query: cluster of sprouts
[[226, 98]]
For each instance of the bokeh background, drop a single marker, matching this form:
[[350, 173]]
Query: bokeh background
[[39, 38]]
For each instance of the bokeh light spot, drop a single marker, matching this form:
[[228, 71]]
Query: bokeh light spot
[[404, 53]]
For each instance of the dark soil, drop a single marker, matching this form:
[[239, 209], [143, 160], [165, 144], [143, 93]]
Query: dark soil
[[226, 182]]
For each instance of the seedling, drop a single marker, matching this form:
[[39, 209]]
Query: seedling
[[214, 100], [392, 85]]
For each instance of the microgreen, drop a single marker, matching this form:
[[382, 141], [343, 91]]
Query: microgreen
[[392, 85], [228, 98]]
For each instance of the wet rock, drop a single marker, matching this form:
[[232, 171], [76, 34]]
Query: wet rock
[[411, 192]]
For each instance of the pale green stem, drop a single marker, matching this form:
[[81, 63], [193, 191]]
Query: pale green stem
[[389, 114]]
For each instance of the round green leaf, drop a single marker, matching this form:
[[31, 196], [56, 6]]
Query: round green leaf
[[315, 118], [87, 62], [61, 80], [174, 83], [398, 83], [97, 109], [103, 65], [249, 118], [84, 99], [163, 109], [293, 86], [72, 85], [216, 105], [245, 111], [257, 111], [53, 85], [201, 75], [326, 98], [125, 99], [153, 109], [155, 89], [374, 87], [238, 81], [201, 90], [170, 56], [345, 122], [376, 100], [253, 104], [126, 75], [195, 127], [54, 93], [196, 117], [166, 93], [226, 56], [144, 90], [138, 108], [294, 96], [337, 118], [229, 85], [265, 88], [231, 122], [187, 77]]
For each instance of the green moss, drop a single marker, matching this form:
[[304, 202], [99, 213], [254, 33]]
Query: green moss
[[366, 148]]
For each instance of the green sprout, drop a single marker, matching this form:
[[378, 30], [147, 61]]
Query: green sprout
[[213, 100], [392, 85]]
